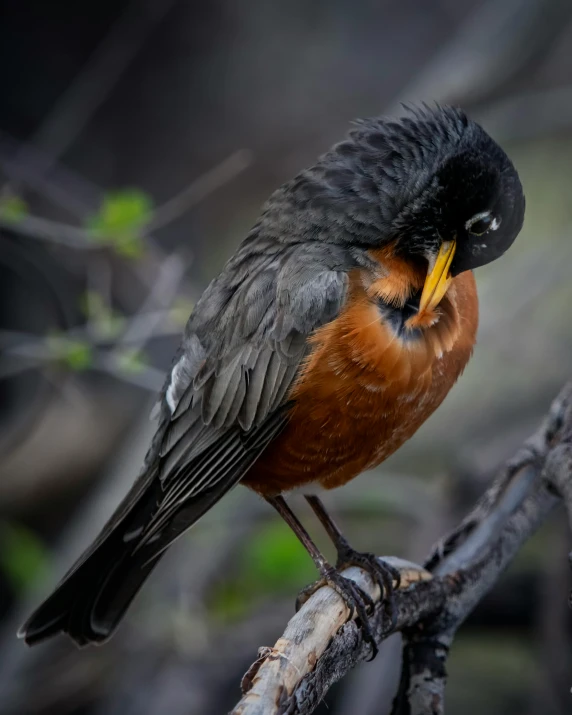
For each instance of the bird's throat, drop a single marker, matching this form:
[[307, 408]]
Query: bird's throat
[[398, 317], [397, 291]]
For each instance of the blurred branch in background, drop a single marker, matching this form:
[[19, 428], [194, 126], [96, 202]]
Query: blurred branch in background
[[120, 355], [495, 46], [125, 227], [83, 239]]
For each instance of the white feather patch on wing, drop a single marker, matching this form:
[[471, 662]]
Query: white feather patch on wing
[[178, 384]]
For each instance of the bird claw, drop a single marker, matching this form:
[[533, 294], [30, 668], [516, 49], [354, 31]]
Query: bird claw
[[357, 600], [384, 574]]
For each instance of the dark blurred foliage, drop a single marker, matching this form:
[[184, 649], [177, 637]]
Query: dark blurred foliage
[[137, 142]]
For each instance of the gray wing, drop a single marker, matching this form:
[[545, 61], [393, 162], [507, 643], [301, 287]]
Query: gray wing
[[225, 398]]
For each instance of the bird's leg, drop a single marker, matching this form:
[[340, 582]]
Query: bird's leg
[[383, 573], [356, 600]]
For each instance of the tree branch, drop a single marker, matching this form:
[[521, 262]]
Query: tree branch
[[497, 43], [320, 645]]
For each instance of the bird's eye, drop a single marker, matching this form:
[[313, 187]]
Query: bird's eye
[[481, 223]]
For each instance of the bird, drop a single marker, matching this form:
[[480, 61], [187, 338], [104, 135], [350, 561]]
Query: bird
[[338, 326]]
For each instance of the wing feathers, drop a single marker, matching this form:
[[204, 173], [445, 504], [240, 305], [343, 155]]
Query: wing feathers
[[226, 460], [268, 387], [223, 403], [222, 385], [256, 380], [233, 393], [243, 362], [178, 428]]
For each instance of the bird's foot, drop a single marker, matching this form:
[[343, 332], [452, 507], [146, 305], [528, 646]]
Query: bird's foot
[[356, 600], [384, 574]]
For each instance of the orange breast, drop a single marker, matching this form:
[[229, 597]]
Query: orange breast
[[364, 390]]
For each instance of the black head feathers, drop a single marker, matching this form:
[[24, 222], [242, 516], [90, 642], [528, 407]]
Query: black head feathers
[[431, 176]]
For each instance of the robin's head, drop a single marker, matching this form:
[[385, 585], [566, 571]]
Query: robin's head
[[432, 184]]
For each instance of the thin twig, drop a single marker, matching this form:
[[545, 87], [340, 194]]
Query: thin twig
[[54, 232], [148, 319], [529, 115], [199, 189], [496, 43]]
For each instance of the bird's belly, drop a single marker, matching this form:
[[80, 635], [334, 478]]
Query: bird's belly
[[329, 447], [362, 393]]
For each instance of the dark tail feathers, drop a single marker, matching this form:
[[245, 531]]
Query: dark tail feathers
[[93, 597], [90, 602]]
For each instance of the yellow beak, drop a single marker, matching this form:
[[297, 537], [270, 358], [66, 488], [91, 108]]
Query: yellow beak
[[438, 278]]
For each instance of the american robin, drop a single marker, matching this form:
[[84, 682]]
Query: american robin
[[336, 329]]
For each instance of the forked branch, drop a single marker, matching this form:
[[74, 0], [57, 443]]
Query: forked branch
[[320, 645]]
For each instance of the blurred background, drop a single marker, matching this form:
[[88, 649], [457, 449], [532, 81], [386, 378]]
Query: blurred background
[[138, 141]]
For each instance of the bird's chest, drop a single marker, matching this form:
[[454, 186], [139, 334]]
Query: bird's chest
[[366, 387]]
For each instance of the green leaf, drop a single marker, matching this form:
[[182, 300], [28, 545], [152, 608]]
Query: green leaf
[[23, 556], [13, 208], [128, 246], [275, 557], [131, 360], [273, 562], [74, 354], [120, 221], [78, 355], [107, 322]]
